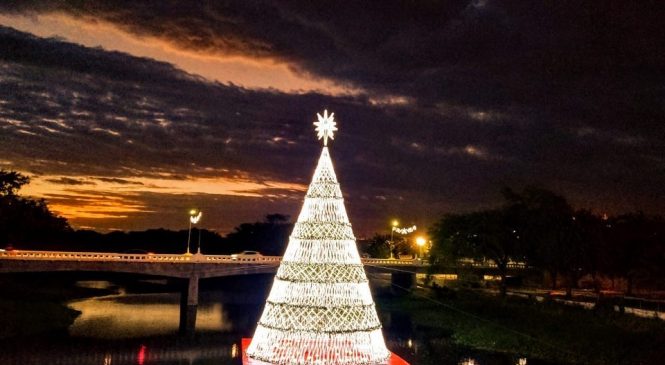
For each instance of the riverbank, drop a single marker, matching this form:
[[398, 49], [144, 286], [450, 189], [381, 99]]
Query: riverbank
[[34, 304], [548, 330]]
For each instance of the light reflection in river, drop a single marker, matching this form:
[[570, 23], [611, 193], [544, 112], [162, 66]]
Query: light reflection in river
[[140, 315], [138, 325]]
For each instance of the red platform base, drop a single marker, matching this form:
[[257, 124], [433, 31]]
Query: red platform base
[[393, 360]]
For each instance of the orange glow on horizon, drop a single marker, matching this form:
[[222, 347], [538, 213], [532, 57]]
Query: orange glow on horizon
[[97, 199]]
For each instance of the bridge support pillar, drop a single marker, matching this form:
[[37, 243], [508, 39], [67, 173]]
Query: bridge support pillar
[[189, 301], [402, 282]]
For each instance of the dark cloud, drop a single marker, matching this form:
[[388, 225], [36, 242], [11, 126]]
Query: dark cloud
[[115, 180], [559, 93], [491, 53], [115, 116], [70, 181]]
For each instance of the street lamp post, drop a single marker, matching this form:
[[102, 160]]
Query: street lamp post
[[402, 231], [194, 217], [198, 249], [394, 225]]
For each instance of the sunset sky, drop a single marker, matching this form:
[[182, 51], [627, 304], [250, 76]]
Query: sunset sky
[[128, 114]]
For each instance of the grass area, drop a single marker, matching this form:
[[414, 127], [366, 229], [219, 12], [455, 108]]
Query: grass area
[[548, 331]]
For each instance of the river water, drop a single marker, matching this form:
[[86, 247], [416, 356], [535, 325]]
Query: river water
[[138, 324]]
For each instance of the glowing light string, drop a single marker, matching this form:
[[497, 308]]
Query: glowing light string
[[405, 230], [320, 309]]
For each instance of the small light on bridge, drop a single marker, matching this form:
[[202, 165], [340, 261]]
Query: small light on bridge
[[140, 359]]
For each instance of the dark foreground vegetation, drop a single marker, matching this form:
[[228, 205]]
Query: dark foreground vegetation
[[547, 331], [540, 228]]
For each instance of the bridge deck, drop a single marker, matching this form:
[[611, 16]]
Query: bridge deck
[[182, 265]]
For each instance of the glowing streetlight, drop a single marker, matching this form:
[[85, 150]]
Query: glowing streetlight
[[194, 217], [420, 241]]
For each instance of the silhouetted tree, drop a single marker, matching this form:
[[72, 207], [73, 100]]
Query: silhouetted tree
[[546, 222], [488, 234], [25, 221], [594, 258], [636, 243], [152, 240], [269, 237], [11, 182], [379, 246]]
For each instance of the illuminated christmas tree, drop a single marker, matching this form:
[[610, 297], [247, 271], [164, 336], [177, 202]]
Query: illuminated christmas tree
[[320, 309]]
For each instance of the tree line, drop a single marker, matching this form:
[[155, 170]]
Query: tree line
[[540, 228], [29, 224], [534, 226]]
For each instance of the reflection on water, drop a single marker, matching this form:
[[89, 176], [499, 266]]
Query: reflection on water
[[140, 315], [96, 284], [165, 353], [142, 329]]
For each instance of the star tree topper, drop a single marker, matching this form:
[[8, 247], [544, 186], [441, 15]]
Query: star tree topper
[[325, 127]]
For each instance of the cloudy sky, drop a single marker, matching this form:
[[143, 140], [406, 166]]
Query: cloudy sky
[[126, 114]]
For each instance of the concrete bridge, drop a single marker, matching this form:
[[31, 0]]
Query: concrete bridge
[[169, 265], [194, 267], [191, 268]]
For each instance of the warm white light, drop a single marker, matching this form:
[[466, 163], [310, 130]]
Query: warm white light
[[405, 230], [420, 241], [320, 309], [194, 217], [325, 127]]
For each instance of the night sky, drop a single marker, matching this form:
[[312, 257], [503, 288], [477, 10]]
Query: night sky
[[127, 114]]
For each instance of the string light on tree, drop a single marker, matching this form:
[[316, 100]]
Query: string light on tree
[[320, 309]]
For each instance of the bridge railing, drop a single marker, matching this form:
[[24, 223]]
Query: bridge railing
[[234, 259], [460, 263], [395, 262], [222, 259], [133, 257], [510, 265]]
